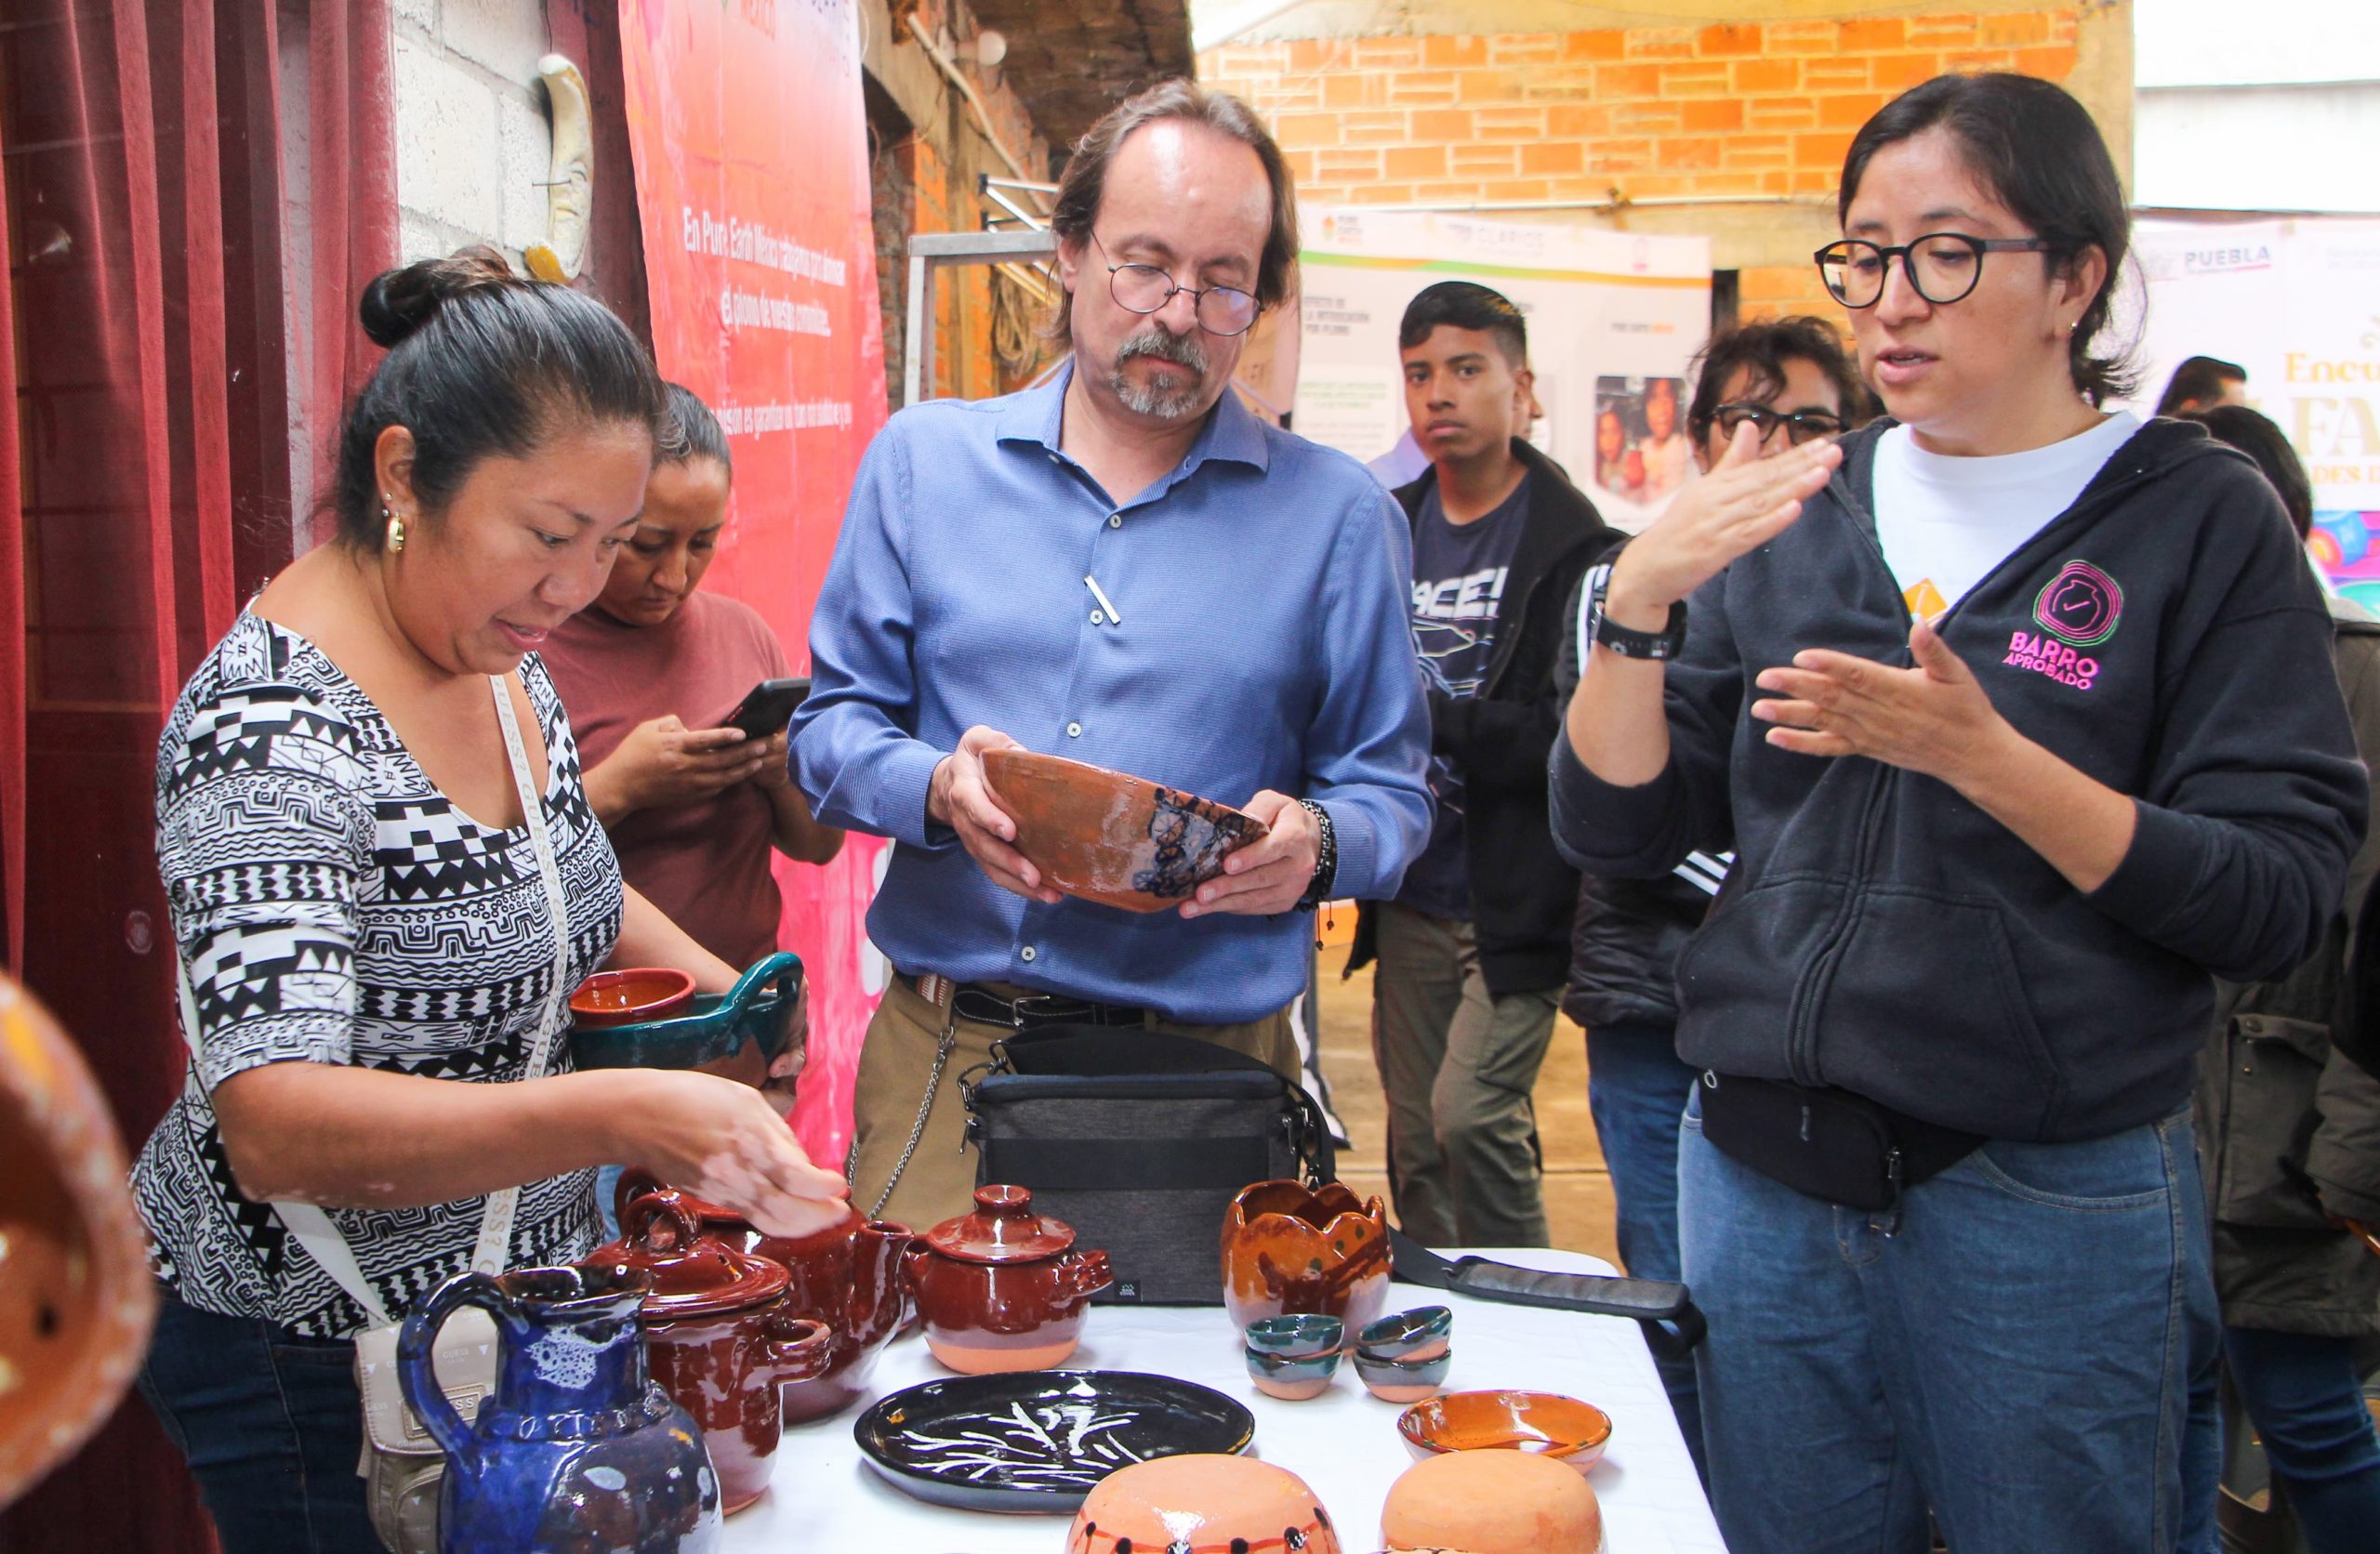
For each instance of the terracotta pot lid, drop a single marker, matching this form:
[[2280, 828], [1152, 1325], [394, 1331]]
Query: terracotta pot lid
[[693, 1274], [1002, 1229]]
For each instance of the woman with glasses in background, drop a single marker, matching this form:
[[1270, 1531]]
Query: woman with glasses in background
[[1982, 695]]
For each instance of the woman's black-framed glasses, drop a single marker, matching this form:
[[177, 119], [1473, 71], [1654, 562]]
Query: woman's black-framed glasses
[[1942, 266], [1144, 288], [1801, 426]]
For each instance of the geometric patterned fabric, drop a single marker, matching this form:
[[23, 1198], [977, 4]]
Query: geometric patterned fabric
[[331, 906]]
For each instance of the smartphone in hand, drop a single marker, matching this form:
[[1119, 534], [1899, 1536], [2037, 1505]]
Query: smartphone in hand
[[768, 707]]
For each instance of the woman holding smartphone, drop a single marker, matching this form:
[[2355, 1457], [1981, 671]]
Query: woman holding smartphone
[[651, 672], [2021, 719]]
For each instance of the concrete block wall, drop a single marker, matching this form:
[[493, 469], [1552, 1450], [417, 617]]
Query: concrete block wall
[[1759, 109], [472, 140]]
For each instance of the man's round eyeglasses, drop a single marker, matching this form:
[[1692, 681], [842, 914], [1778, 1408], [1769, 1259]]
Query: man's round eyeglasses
[[1144, 288], [1801, 426], [1941, 266]]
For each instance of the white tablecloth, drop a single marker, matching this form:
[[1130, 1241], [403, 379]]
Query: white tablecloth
[[1343, 1444]]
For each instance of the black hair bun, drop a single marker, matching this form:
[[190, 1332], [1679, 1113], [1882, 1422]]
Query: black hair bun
[[397, 302]]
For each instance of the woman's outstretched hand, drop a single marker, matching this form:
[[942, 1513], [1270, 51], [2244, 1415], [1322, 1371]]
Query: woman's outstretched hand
[[1742, 504], [1932, 717]]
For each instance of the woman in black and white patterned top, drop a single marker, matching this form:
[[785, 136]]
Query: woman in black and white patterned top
[[362, 918]]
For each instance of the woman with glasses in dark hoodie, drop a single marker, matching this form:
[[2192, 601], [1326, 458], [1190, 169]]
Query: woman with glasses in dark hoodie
[[1981, 696]]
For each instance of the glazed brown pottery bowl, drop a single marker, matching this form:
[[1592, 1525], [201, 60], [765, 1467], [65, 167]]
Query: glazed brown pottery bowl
[[1002, 1289], [631, 998], [1289, 1249], [718, 1337], [847, 1276], [76, 1297], [1544, 1424], [1209, 1505], [1491, 1502], [1108, 838]]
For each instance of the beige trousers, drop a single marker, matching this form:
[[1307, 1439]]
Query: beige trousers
[[909, 1160]]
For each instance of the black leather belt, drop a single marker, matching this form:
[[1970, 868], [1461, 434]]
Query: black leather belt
[[970, 1001]]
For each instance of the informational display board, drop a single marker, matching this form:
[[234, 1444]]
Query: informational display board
[[2296, 302], [750, 143], [1613, 320]]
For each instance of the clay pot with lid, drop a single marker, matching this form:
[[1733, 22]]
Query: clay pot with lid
[[716, 1336], [847, 1276], [1002, 1289]]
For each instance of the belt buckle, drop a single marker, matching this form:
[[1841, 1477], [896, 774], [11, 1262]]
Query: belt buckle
[[1019, 1013]]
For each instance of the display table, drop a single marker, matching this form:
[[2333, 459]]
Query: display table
[[1343, 1444]]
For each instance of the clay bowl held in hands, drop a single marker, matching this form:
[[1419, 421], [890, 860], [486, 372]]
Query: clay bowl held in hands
[[1289, 1249], [1108, 838], [1543, 1424], [631, 997]]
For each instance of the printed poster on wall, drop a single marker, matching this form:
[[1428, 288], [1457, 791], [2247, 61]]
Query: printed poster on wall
[[750, 143], [1613, 320], [2295, 302]]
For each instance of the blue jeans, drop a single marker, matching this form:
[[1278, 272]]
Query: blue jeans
[[2030, 1355], [2307, 1402], [1636, 1087], [271, 1426]]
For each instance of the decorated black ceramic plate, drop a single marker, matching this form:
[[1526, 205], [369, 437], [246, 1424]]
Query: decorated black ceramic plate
[[1037, 1440]]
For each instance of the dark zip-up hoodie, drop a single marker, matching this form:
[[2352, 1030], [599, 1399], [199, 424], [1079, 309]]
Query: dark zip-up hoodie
[[1879, 933]]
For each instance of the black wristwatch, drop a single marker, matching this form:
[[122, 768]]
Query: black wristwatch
[[1667, 642], [1326, 858]]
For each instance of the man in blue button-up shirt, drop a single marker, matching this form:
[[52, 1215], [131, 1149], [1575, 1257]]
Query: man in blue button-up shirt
[[1125, 567]]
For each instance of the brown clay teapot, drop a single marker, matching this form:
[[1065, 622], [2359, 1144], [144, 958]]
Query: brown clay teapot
[[1001, 1289], [716, 1336], [847, 1276]]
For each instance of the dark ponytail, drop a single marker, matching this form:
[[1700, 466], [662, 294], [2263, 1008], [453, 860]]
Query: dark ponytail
[[481, 363], [2036, 151]]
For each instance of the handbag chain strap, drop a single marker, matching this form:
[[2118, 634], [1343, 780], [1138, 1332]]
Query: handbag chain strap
[[312, 1227]]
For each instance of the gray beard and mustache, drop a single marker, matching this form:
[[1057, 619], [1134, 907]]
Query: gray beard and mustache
[[1156, 400]]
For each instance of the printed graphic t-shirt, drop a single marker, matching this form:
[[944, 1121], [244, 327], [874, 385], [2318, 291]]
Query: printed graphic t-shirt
[[1945, 522], [1459, 571]]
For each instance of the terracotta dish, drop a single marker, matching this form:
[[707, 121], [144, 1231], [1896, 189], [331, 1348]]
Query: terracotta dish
[[1106, 837], [77, 1297], [631, 998], [1545, 1423], [1287, 1247], [1491, 1502], [1201, 1505]]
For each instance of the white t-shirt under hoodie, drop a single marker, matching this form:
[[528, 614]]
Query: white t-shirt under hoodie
[[1944, 522]]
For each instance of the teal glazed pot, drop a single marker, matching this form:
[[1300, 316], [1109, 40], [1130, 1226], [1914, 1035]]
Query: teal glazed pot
[[578, 1448], [1420, 1334], [757, 1008]]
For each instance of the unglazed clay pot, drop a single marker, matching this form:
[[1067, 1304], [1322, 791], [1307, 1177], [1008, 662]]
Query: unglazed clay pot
[[1111, 838], [847, 1276], [1202, 1505], [76, 1299], [1289, 1248], [1001, 1289], [718, 1336], [1491, 1502]]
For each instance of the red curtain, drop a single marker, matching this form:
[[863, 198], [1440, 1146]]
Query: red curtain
[[176, 314]]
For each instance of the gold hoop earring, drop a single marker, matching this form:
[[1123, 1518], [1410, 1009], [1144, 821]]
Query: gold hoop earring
[[396, 531]]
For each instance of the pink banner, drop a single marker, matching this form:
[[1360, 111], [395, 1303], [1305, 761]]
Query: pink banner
[[752, 184]]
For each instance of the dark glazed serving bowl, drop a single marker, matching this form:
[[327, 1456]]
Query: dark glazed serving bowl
[[1111, 838], [1038, 1442]]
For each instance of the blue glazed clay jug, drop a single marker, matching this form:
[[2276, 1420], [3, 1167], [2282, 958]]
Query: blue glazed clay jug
[[578, 1447]]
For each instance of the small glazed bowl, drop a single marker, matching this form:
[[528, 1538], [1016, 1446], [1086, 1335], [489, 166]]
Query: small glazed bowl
[[1402, 1381], [1543, 1424], [1292, 1378], [631, 997], [1420, 1334], [1297, 1336]]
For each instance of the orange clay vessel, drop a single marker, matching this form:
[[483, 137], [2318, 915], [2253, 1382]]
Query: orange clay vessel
[[1202, 1505], [1289, 1249], [1111, 838]]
